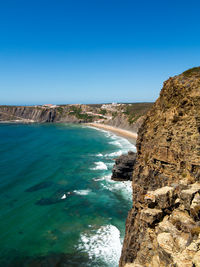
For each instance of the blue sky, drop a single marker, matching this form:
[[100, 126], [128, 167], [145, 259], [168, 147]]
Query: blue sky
[[94, 51]]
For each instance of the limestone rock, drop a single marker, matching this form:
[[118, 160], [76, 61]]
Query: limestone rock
[[151, 215], [188, 194], [195, 207], [161, 198], [166, 242], [166, 179]]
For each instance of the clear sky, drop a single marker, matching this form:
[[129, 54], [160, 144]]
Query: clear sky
[[94, 51]]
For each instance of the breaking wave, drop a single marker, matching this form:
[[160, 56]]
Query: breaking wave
[[102, 244], [124, 188], [100, 166]]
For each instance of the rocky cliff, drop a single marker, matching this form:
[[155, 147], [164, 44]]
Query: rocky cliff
[[130, 117], [125, 116], [40, 114], [163, 226]]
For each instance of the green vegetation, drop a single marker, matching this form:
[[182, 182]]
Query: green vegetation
[[60, 110], [114, 114], [193, 71], [77, 112], [136, 110], [103, 111]]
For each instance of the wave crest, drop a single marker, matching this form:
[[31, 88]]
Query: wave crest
[[82, 192], [100, 166]]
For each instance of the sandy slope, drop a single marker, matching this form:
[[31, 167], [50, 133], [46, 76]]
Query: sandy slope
[[127, 134]]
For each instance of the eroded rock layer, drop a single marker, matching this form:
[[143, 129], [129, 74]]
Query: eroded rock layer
[[163, 227]]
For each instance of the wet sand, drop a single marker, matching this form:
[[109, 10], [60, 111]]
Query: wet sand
[[131, 136]]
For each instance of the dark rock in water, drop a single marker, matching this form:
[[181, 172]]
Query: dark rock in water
[[59, 196], [123, 168], [39, 186]]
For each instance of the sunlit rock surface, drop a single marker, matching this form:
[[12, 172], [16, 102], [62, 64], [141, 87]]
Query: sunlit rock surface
[[163, 226]]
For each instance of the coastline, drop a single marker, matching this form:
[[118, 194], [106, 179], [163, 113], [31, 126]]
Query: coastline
[[131, 136]]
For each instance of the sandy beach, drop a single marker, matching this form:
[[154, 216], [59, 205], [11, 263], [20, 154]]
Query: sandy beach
[[131, 136]]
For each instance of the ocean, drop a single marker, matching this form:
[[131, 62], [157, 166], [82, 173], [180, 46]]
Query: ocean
[[58, 205]]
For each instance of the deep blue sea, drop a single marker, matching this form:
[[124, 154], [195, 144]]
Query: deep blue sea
[[58, 205]]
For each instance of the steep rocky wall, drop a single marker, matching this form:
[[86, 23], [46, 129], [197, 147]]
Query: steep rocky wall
[[34, 114], [121, 121], [60, 114], [163, 227]]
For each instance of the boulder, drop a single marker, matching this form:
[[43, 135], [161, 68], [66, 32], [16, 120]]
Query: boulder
[[123, 168], [161, 198], [187, 195], [151, 216]]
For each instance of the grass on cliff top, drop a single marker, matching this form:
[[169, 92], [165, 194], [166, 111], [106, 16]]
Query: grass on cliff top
[[136, 110], [193, 71]]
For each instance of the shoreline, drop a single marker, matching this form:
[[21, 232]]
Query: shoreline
[[131, 136]]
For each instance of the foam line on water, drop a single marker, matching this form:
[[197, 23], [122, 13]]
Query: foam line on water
[[114, 154], [82, 192], [102, 244], [116, 140], [124, 188], [99, 155], [100, 166]]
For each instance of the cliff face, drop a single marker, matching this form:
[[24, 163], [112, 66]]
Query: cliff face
[[34, 114], [125, 116], [163, 227], [130, 117]]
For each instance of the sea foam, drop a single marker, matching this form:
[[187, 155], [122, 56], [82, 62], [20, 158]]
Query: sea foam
[[114, 154], [100, 166], [102, 244], [82, 192], [99, 155]]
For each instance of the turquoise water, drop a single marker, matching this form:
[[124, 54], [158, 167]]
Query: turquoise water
[[58, 206]]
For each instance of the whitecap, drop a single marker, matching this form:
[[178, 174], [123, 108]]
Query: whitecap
[[82, 192], [98, 179], [105, 177], [103, 244], [64, 196], [99, 155], [124, 188], [100, 166], [116, 143], [114, 154], [110, 164]]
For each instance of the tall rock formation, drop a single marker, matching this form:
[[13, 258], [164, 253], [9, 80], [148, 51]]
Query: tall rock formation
[[163, 226]]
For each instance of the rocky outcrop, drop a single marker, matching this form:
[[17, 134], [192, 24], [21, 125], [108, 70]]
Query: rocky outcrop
[[163, 226], [123, 168]]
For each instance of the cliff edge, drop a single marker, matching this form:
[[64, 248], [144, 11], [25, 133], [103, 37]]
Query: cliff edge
[[163, 226]]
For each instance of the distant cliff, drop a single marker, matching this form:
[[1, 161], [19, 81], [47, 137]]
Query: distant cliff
[[163, 226], [131, 117], [125, 116], [35, 114]]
